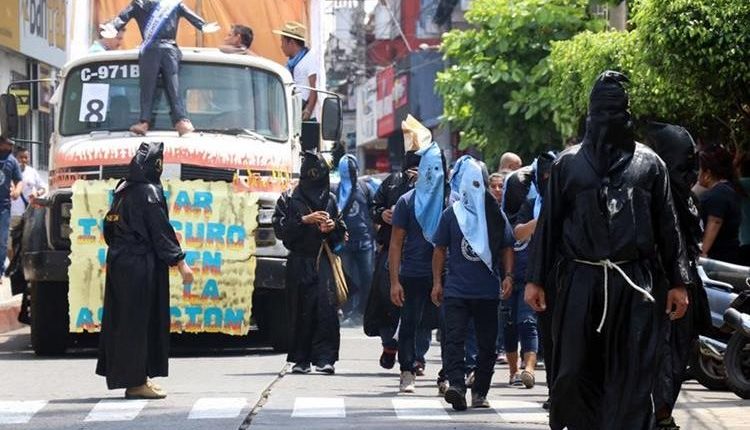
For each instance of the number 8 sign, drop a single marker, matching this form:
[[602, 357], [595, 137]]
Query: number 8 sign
[[94, 103]]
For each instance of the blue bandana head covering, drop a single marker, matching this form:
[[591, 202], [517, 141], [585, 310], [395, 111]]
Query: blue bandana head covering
[[348, 175], [470, 211], [456, 176], [429, 193]]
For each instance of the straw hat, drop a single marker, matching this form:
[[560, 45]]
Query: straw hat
[[294, 30]]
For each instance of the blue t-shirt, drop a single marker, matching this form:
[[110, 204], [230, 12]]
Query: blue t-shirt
[[416, 255], [468, 277], [10, 172], [524, 215]]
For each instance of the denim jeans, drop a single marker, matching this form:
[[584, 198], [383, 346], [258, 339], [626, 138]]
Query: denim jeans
[[359, 267], [4, 232], [416, 296], [458, 314], [471, 346], [423, 340], [502, 316], [520, 324]]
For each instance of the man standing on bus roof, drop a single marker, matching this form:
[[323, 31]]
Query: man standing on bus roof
[[301, 64], [158, 22]]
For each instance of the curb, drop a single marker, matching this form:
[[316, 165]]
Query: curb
[[9, 315]]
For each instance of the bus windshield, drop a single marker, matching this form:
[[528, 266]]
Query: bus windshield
[[218, 97]]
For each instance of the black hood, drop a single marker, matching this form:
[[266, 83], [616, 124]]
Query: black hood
[[678, 150], [147, 164], [543, 168], [411, 160], [314, 181], [608, 143]]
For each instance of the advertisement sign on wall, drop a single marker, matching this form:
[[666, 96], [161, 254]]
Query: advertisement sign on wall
[[35, 28], [10, 34], [214, 224], [367, 122], [384, 108]]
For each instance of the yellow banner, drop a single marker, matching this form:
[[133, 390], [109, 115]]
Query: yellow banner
[[214, 223]]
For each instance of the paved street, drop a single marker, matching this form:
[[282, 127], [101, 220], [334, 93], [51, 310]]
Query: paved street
[[210, 390]]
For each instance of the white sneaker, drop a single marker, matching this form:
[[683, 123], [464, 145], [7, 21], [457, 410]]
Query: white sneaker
[[407, 382]]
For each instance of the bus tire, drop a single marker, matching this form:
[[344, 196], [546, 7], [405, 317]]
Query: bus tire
[[49, 318]]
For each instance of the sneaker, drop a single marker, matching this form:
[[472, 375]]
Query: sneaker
[[470, 379], [328, 369], [667, 424], [456, 397], [443, 385], [479, 401], [183, 127], [301, 368], [501, 358], [527, 378], [515, 380], [419, 368], [388, 358], [540, 365], [407, 382], [144, 392], [140, 129]]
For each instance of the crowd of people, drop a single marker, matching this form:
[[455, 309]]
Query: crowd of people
[[586, 259]]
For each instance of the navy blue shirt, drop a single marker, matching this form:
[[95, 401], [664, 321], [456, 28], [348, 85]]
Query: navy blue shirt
[[358, 221], [416, 255], [10, 173], [524, 215], [468, 277]]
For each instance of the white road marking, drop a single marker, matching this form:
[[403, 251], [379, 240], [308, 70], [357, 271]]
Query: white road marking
[[319, 407], [217, 408], [116, 410], [520, 412], [19, 412], [418, 409]]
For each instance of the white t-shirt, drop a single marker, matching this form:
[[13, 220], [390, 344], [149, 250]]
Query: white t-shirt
[[306, 67], [31, 181]]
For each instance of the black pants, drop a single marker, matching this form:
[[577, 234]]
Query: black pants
[[457, 314], [416, 302], [165, 58]]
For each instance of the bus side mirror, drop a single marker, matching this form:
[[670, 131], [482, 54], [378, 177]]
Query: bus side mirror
[[332, 119], [8, 115]]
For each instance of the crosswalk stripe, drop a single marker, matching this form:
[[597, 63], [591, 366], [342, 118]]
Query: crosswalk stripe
[[319, 407], [517, 411], [19, 412], [418, 409], [217, 408], [116, 410]]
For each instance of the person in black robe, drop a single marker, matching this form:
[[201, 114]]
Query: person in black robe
[[607, 235], [381, 315], [311, 229], [134, 339], [676, 147]]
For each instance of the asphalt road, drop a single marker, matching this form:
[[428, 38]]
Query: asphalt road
[[247, 388]]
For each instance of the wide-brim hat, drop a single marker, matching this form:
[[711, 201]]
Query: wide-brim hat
[[293, 30]]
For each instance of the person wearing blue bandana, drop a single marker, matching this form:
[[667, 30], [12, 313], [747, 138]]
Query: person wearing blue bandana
[[415, 220], [158, 21], [354, 198], [476, 238], [523, 323]]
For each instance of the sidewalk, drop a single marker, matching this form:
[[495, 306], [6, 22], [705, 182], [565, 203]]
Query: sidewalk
[[9, 308]]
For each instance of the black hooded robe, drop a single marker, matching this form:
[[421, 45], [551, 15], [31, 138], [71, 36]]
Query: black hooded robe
[[675, 146], [310, 285], [134, 339], [606, 200]]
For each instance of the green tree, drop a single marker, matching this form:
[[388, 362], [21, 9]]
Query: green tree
[[494, 91]]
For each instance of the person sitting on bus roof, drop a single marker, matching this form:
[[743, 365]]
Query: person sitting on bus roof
[[238, 41]]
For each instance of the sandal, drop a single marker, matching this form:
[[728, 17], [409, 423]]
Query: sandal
[[527, 378], [515, 380]]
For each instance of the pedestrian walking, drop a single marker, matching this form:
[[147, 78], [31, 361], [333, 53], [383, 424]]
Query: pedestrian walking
[[509, 162], [312, 231], [134, 339], [676, 147], [476, 239], [415, 220], [354, 199], [606, 237], [11, 189], [33, 187]]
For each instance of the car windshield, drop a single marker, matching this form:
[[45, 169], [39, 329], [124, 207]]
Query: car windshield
[[219, 98]]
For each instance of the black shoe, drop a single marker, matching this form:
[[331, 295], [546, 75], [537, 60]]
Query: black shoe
[[419, 368], [456, 397], [667, 424], [545, 405], [388, 358], [301, 368], [479, 401], [328, 369]]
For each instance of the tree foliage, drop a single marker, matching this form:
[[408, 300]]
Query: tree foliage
[[494, 91]]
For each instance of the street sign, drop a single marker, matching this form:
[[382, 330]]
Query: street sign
[[23, 100]]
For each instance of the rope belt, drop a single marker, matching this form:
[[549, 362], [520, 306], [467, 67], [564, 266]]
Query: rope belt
[[608, 265]]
